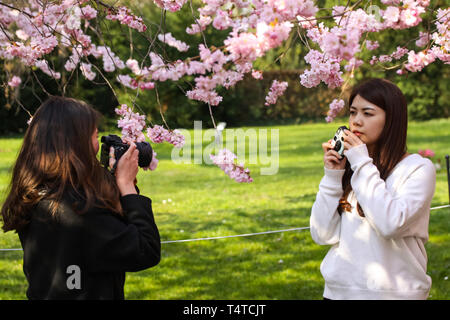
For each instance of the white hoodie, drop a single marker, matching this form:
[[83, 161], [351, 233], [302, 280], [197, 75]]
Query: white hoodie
[[381, 255]]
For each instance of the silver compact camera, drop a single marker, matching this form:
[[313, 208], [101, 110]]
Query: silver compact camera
[[338, 140]]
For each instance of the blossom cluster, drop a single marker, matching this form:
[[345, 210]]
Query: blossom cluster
[[335, 107], [171, 5], [159, 134], [277, 89], [37, 29], [341, 44], [323, 68], [44, 66], [396, 55], [131, 124], [441, 48], [124, 16], [132, 83], [171, 41], [225, 160], [406, 15], [153, 163], [14, 82]]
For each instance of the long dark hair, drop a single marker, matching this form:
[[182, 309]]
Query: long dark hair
[[57, 155], [391, 145]]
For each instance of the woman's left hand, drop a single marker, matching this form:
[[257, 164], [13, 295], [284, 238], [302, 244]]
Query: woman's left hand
[[351, 140]]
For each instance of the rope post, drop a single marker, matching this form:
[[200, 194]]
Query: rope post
[[448, 176]]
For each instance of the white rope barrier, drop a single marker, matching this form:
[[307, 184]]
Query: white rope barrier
[[233, 236], [236, 235], [435, 208]]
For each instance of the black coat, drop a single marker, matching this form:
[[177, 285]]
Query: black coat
[[85, 256]]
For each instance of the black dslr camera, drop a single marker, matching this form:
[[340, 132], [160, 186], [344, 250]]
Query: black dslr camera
[[145, 151], [338, 140]]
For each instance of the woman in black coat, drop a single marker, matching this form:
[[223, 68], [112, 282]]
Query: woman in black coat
[[81, 227]]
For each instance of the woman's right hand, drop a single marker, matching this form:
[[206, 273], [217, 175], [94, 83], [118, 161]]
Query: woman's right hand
[[332, 159], [127, 169]]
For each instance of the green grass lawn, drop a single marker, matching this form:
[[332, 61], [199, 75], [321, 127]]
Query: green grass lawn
[[198, 200]]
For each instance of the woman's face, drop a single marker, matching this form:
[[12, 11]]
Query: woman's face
[[366, 120], [95, 140]]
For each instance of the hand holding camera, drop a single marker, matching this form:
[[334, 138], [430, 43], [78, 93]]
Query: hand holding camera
[[124, 159], [127, 167], [334, 151]]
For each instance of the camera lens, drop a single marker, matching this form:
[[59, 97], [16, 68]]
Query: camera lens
[[145, 154], [337, 147]]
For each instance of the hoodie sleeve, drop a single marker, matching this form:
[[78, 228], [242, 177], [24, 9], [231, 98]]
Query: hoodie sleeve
[[325, 221], [130, 244], [392, 212]]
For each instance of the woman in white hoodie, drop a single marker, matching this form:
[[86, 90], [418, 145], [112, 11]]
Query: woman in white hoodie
[[373, 204]]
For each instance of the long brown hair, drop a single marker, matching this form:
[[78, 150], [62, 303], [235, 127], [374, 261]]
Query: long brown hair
[[391, 145], [57, 155]]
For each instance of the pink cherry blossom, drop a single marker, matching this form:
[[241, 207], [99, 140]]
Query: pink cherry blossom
[[225, 160], [258, 75], [127, 81], [133, 65], [146, 85], [199, 25], [372, 45], [43, 65], [272, 35], [154, 162], [222, 20], [323, 68], [131, 123], [441, 38], [391, 15], [86, 70], [171, 5], [243, 46], [277, 89], [175, 138], [399, 53], [110, 61], [14, 82], [207, 96], [424, 38], [124, 16], [353, 64], [418, 61], [88, 13], [335, 107], [157, 134], [290, 9], [171, 41]]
